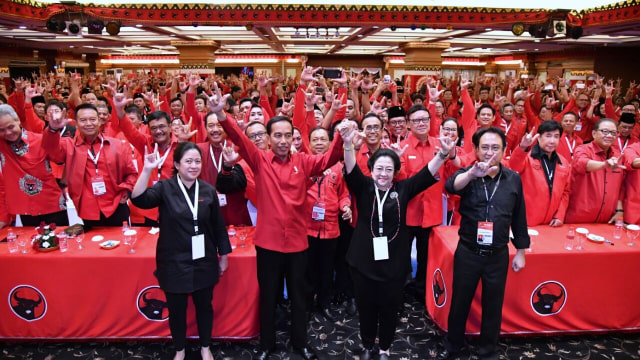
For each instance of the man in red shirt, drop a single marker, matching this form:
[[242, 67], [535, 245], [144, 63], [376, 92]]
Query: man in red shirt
[[280, 238], [540, 167], [596, 178], [372, 130], [569, 139], [100, 173], [30, 188], [631, 202], [625, 128]]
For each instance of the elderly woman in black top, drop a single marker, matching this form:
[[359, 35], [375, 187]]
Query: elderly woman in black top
[[192, 235], [380, 249]]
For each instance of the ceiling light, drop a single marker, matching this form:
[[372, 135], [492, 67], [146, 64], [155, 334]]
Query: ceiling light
[[337, 32], [22, 27], [56, 25], [375, 26], [517, 29], [488, 29], [138, 25], [536, 40], [113, 28], [393, 28], [360, 35], [95, 26], [266, 35], [297, 32]]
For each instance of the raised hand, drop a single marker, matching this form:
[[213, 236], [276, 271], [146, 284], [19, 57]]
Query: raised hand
[[347, 131], [120, 100], [217, 102], [482, 169], [446, 144], [184, 131], [336, 104], [229, 155], [529, 139], [398, 149], [151, 161], [434, 93], [286, 107], [307, 74], [614, 163]]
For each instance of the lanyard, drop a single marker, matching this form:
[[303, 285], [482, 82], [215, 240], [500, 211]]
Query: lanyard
[[622, 147], [162, 159], [193, 207], [507, 126], [63, 130], [218, 165], [549, 173], [319, 181], [486, 194], [97, 156], [380, 204], [570, 145]]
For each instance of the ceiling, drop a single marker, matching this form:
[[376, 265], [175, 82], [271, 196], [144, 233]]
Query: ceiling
[[305, 29]]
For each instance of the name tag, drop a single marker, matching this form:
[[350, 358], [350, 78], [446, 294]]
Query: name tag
[[412, 157], [380, 248], [197, 247], [222, 199], [578, 126], [485, 233], [98, 186], [318, 211]]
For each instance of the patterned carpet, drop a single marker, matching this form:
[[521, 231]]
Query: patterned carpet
[[416, 338]]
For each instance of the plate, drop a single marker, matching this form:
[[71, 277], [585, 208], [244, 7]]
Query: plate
[[97, 238], [533, 232], [595, 238], [109, 244]]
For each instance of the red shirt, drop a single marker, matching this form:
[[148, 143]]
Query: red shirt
[[594, 195], [329, 190], [425, 209], [362, 157], [282, 191], [567, 145], [514, 131], [30, 186], [622, 144], [631, 201], [114, 165], [541, 205]]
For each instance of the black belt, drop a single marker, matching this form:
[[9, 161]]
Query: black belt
[[483, 250]]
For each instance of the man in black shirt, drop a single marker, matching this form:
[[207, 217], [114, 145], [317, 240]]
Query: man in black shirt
[[491, 201]]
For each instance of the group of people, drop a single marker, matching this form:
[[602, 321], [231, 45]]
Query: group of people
[[338, 176]]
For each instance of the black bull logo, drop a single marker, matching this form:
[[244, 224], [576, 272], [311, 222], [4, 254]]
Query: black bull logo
[[24, 307], [438, 289], [546, 301], [153, 308]]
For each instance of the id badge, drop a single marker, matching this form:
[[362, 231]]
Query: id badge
[[317, 213], [222, 199], [98, 186], [380, 248], [485, 233], [197, 247], [578, 126]]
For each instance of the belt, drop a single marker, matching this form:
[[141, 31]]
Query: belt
[[483, 250]]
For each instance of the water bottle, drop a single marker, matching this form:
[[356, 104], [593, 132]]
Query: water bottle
[[231, 231], [617, 232]]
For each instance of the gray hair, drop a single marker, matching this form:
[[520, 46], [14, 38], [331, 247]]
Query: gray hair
[[6, 109]]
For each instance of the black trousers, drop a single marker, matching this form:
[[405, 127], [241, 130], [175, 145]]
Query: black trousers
[[177, 305], [59, 218], [468, 269], [321, 255], [272, 266], [422, 248], [116, 219], [378, 303], [343, 282]]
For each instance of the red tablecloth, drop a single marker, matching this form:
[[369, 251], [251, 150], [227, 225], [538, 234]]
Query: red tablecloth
[[97, 293], [595, 289]]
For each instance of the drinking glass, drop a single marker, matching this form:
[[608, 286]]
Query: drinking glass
[[22, 241], [79, 237], [570, 238], [12, 242], [582, 237], [63, 241], [242, 234], [130, 238], [632, 233]]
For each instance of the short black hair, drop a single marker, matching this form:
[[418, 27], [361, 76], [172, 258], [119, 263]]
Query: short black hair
[[159, 114], [243, 100], [180, 150], [55, 102], [177, 98], [318, 128], [475, 139], [483, 88], [204, 98], [575, 116], [277, 119], [235, 88], [417, 107], [372, 115], [486, 106], [549, 126], [597, 124], [85, 106], [133, 109], [505, 106], [384, 152], [254, 123]]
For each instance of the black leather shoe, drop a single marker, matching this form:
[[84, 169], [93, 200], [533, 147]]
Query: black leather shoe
[[262, 355], [326, 313], [351, 307], [366, 354], [446, 354], [307, 352], [384, 357]]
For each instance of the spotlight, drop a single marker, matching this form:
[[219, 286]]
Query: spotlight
[[307, 33], [297, 32], [538, 31], [248, 27], [194, 24], [95, 26], [424, 27], [337, 32], [113, 28], [73, 28], [317, 33], [393, 28], [517, 29], [574, 32], [559, 27], [56, 25], [413, 27]]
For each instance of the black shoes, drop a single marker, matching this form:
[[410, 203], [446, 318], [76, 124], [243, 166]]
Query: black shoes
[[446, 354], [383, 357], [262, 355], [306, 352], [351, 307], [366, 354]]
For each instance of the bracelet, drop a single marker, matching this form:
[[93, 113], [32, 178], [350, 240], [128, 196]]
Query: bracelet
[[347, 148], [442, 155], [619, 210], [455, 153]]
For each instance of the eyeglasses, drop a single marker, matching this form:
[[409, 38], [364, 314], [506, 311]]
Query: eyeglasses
[[608, 132], [372, 128], [257, 135], [494, 148], [396, 122], [420, 120], [450, 129], [156, 128], [54, 111]]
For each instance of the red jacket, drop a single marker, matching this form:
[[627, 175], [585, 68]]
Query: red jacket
[[282, 191], [330, 190], [121, 175], [594, 195], [542, 206], [631, 201], [30, 186], [567, 146]]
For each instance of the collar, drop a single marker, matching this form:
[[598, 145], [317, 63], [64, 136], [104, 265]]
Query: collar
[[598, 150], [80, 140], [414, 141], [537, 153], [276, 158]]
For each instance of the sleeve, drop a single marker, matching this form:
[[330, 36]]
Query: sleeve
[[4, 212], [220, 234], [231, 181], [356, 181], [135, 137], [564, 201], [31, 121], [448, 185], [580, 159], [533, 119], [519, 220], [568, 106], [518, 160], [129, 174], [467, 119], [609, 111], [266, 107], [247, 150], [151, 197], [314, 165], [54, 146]]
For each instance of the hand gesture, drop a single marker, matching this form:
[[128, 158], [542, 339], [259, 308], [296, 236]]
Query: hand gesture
[[342, 80], [217, 101], [336, 104], [184, 131], [397, 148], [151, 161], [482, 169], [377, 107], [347, 131], [464, 82], [58, 121], [229, 155], [30, 93], [262, 81], [529, 139], [111, 86], [609, 89], [434, 93], [367, 84], [194, 81], [148, 96], [614, 163], [307, 74], [446, 144], [286, 108], [346, 213], [120, 101], [310, 97]]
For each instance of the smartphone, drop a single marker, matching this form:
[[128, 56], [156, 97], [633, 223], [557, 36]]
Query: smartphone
[[319, 89], [580, 85], [332, 73], [387, 79], [549, 87]]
